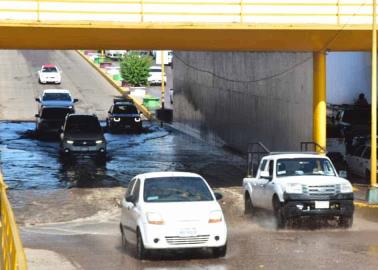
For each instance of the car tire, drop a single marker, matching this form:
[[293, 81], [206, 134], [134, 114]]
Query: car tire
[[346, 221], [220, 252], [248, 206], [123, 237], [281, 220], [141, 251]]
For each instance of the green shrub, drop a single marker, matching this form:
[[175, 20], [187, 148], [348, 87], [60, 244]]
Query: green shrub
[[135, 68]]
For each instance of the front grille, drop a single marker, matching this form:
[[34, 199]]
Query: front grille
[[84, 143], [321, 190], [187, 240]]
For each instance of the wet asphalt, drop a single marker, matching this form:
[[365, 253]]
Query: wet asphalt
[[30, 162]]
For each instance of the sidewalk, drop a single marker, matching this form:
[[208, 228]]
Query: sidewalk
[[360, 196]]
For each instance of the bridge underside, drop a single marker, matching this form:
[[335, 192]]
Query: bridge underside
[[181, 37]]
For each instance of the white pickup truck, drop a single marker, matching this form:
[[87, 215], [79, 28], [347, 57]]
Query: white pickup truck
[[293, 185]]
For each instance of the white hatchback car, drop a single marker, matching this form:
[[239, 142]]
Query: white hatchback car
[[172, 210], [155, 76], [49, 74]]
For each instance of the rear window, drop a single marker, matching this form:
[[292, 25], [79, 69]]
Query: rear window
[[125, 109], [56, 96], [55, 113], [83, 124], [176, 189], [49, 69]]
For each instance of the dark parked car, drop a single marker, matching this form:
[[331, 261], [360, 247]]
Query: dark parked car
[[82, 135], [123, 114], [51, 119]]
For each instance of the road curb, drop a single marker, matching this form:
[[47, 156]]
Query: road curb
[[365, 205], [120, 89]]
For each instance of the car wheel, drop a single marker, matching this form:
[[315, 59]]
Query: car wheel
[[248, 206], [220, 252], [123, 237], [281, 220], [345, 222], [140, 249]]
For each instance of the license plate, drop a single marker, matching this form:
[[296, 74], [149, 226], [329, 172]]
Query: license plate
[[321, 204], [84, 149], [187, 232]]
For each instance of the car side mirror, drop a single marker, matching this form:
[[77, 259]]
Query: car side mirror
[[343, 174], [76, 100], [265, 175], [60, 130], [37, 99], [218, 196], [130, 199], [37, 115]]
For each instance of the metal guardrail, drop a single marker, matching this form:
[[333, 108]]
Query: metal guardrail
[[274, 12], [12, 255]]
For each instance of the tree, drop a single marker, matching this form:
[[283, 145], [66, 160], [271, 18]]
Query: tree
[[135, 68]]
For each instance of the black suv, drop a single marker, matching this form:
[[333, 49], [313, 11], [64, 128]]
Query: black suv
[[123, 114], [50, 119], [82, 135]]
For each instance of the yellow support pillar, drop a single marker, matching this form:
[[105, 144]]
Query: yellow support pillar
[[372, 195], [319, 99]]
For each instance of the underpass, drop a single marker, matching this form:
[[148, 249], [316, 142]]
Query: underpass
[[74, 223], [69, 213]]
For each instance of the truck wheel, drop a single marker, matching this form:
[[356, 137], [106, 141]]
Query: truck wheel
[[220, 252], [281, 220], [345, 222], [141, 252], [248, 207]]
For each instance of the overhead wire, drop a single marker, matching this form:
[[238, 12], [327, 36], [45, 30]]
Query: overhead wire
[[279, 73]]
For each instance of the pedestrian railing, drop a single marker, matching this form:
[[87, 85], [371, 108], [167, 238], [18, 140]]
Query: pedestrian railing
[[272, 12], [12, 255]]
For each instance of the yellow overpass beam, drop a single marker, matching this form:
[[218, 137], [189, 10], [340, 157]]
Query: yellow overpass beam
[[220, 37]]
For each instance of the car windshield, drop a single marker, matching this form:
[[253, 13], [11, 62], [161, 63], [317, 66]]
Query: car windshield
[[176, 189], [125, 109], [56, 96], [155, 70], [49, 69], [55, 113], [304, 166], [83, 124]]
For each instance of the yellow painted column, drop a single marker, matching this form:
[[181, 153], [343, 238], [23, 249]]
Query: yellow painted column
[[319, 99], [373, 164]]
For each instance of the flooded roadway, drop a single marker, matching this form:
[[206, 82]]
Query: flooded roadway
[[70, 213], [32, 163]]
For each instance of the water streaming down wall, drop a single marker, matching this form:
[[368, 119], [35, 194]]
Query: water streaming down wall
[[233, 98]]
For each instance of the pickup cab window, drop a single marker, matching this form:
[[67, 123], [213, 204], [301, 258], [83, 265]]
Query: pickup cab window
[[304, 166]]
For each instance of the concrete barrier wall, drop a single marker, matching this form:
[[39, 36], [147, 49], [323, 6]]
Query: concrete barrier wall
[[235, 98]]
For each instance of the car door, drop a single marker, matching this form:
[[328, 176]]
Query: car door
[[269, 186], [132, 213], [352, 160], [364, 161], [125, 218], [259, 184]]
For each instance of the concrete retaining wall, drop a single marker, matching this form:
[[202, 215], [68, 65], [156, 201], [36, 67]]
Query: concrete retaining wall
[[235, 98]]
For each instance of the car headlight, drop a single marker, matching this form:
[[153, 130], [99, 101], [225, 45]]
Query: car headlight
[[137, 119], [69, 142], [346, 188], [154, 218], [215, 217], [116, 119], [99, 141], [294, 188]]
